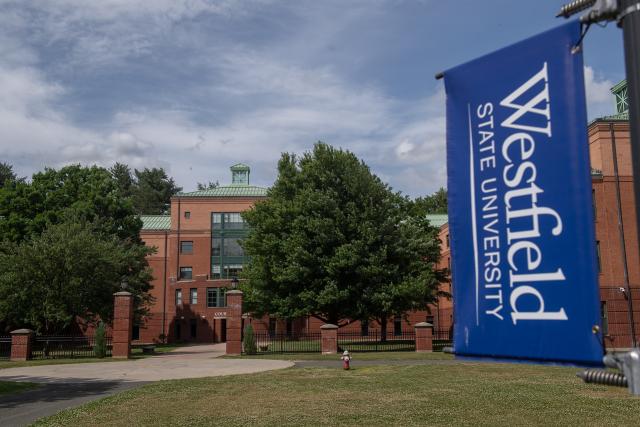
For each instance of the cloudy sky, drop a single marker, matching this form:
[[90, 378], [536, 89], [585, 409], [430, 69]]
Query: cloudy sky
[[195, 86]]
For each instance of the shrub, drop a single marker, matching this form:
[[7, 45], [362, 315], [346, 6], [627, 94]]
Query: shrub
[[100, 347], [249, 341]]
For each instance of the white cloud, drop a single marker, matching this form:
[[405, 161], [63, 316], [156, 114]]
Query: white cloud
[[598, 90]]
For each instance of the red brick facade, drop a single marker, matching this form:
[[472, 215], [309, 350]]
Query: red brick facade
[[189, 320]]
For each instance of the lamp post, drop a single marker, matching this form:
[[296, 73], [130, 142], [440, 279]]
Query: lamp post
[[124, 284], [234, 283]]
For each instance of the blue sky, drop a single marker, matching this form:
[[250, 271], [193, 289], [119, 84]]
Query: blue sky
[[195, 86]]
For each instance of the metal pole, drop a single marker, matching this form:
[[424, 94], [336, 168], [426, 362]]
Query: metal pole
[[630, 23], [623, 246]]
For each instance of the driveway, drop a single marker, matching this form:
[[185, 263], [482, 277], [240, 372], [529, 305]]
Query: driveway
[[66, 386]]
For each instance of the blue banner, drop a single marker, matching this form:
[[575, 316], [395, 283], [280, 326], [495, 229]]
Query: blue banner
[[520, 211]]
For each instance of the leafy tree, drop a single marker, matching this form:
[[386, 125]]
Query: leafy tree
[[124, 179], [70, 270], [333, 241], [433, 204], [100, 346], [208, 185], [154, 191], [249, 341], [7, 175], [27, 208], [411, 281]]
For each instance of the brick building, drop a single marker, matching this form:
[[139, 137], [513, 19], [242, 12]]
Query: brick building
[[197, 258]]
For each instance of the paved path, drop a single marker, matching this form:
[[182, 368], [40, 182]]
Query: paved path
[[66, 386]]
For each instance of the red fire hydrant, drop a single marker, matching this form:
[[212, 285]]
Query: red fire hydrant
[[346, 358]]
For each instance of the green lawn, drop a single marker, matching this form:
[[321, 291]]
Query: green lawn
[[453, 394], [388, 355], [8, 387]]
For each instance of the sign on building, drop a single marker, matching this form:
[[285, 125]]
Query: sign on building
[[520, 212]]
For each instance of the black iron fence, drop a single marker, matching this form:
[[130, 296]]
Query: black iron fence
[[302, 342], [63, 346], [5, 347], [376, 341], [441, 339]]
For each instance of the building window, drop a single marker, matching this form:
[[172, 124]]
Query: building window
[[193, 296], [228, 229], [232, 221], [186, 247], [186, 273], [215, 272], [397, 325], [216, 246], [232, 270], [599, 260], [216, 297], [178, 296], [364, 328], [604, 316], [593, 204], [216, 220], [231, 247], [187, 214]]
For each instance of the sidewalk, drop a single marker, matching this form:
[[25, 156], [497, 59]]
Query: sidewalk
[[66, 386]]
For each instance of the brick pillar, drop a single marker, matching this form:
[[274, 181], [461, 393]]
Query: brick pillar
[[21, 345], [122, 324], [424, 337], [329, 334], [234, 322]]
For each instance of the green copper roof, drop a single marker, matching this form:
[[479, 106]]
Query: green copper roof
[[240, 167], [156, 222], [438, 220], [229, 191]]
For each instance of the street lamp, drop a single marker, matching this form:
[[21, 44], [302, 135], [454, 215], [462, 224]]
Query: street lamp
[[234, 283], [124, 284]]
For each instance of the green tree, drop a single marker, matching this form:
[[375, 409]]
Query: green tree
[[249, 340], [433, 204], [331, 241], [27, 208], [70, 270], [154, 190], [208, 185], [7, 174], [124, 179], [100, 346], [411, 280]]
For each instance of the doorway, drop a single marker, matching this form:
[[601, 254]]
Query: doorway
[[223, 330]]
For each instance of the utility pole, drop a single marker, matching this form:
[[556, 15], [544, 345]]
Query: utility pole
[[627, 15]]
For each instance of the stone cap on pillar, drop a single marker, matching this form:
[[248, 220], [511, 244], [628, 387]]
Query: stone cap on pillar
[[234, 292], [328, 326], [423, 325], [122, 294], [21, 332]]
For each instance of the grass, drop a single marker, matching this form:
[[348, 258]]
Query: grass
[[8, 387], [136, 353], [389, 355], [453, 394]]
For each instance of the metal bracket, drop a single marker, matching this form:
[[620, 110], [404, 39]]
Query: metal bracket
[[627, 363]]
